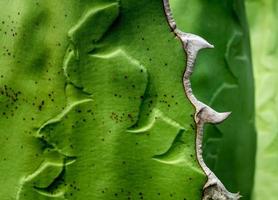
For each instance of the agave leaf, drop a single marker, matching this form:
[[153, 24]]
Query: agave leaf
[[92, 103], [262, 16], [223, 79]]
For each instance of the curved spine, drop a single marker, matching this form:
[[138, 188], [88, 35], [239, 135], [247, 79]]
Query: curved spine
[[213, 189]]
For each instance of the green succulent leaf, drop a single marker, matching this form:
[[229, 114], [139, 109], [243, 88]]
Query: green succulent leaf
[[92, 103]]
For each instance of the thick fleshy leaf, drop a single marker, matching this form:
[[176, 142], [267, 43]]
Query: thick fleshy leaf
[[92, 103]]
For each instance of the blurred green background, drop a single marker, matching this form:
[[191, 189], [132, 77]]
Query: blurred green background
[[263, 23], [245, 35]]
